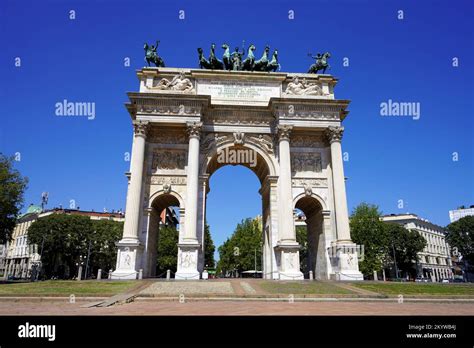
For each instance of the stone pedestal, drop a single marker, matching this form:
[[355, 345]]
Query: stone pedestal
[[289, 257], [188, 261], [128, 259], [345, 258]]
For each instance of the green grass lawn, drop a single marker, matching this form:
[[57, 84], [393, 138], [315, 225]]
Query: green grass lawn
[[302, 288], [413, 288], [67, 287]]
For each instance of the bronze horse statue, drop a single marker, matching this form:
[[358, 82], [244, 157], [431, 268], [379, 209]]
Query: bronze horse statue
[[249, 63], [203, 62], [320, 64], [273, 65], [261, 64], [215, 63], [152, 57]]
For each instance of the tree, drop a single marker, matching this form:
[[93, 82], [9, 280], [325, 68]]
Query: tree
[[62, 239], [238, 252], [103, 255], [209, 248], [460, 235], [12, 188], [368, 230], [302, 239], [406, 244], [167, 258]]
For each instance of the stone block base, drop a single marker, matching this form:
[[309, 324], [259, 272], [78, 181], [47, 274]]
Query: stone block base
[[128, 256], [289, 260], [291, 276], [188, 261], [124, 275], [345, 256]]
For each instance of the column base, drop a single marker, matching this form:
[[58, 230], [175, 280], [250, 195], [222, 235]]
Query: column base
[[128, 256], [188, 261], [344, 255], [288, 254]]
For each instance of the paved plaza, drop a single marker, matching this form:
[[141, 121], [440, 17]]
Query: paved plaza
[[157, 307]]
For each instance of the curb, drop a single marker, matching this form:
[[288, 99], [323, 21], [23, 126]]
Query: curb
[[299, 299]]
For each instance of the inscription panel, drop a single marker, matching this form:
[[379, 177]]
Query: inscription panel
[[238, 92]]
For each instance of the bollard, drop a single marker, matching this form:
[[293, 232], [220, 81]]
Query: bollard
[[311, 275], [99, 274], [140, 274], [110, 274], [79, 273], [375, 276], [168, 275]]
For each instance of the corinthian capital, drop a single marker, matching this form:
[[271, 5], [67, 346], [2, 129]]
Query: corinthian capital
[[284, 132], [334, 134], [194, 129], [140, 128]]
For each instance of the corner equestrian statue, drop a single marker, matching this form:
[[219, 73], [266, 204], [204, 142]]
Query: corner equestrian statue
[[152, 56], [320, 64]]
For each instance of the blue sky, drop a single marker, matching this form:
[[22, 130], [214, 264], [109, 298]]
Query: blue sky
[[390, 158]]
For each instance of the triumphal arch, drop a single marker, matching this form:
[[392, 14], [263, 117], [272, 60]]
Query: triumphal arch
[[285, 127]]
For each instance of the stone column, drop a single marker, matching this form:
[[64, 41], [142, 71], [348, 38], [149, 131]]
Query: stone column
[[287, 247], [346, 255], [286, 224], [190, 233], [189, 246], [133, 205], [129, 248], [334, 136]]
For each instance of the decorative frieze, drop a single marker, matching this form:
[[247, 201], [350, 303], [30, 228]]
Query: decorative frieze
[[306, 162], [304, 88], [238, 117], [159, 136], [180, 83], [307, 140], [303, 111], [168, 159]]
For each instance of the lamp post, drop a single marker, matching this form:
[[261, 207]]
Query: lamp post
[[395, 262], [87, 260]]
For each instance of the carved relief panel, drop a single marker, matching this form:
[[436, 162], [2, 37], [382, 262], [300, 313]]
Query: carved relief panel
[[168, 160], [306, 162]]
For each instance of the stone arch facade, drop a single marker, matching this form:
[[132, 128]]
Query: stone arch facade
[[182, 135]]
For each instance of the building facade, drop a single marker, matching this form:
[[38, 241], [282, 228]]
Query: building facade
[[21, 259], [455, 215], [435, 260]]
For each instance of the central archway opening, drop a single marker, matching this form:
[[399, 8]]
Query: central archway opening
[[164, 218], [309, 224], [235, 209]]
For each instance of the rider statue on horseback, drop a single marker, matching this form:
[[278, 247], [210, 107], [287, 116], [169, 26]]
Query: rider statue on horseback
[[321, 63], [152, 56]]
